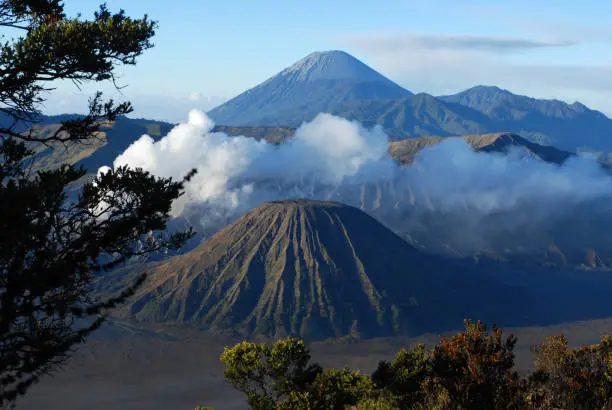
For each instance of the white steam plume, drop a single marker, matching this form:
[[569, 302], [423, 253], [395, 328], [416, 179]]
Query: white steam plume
[[332, 158]]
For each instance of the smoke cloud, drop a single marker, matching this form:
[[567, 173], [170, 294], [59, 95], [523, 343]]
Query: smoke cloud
[[451, 175], [451, 196]]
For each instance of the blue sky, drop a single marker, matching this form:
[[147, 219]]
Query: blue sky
[[209, 50]]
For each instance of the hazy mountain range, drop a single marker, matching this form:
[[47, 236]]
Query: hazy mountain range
[[338, 83]]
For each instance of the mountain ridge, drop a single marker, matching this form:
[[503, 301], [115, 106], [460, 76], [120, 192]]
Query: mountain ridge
[[484, 98], [337, 83], [546, 121]]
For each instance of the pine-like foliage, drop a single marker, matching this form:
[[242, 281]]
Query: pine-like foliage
[[52, 247]]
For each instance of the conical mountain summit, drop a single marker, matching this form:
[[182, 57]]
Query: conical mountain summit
[[320, 82], [315, 270], [334, 65]]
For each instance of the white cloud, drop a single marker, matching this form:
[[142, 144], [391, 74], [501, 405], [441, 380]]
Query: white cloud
[[157, 107], [195, 96], [489, 44], [325, 152], [449, 64], [333, 159]]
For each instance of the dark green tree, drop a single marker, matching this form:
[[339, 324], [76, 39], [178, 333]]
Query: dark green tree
[[401, 379], [270, 375], [52, 248]]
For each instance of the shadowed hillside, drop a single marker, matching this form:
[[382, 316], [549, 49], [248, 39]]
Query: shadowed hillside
[[416, 116], [274, 135], [112, 140], [316, 270]]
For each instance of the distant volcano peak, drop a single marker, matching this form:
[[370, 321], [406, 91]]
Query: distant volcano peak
[[322, 81], [332, 65]]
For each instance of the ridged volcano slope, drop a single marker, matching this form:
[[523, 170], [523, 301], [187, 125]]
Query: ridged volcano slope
[[311, 269]]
